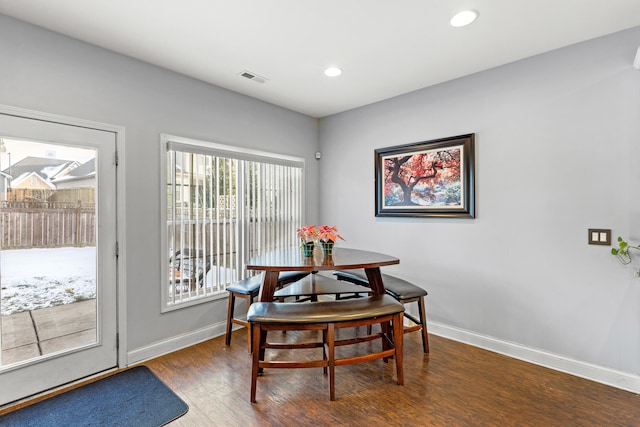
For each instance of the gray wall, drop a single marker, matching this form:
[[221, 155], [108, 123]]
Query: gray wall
[[48, 72], [557, 136], [557, 145]]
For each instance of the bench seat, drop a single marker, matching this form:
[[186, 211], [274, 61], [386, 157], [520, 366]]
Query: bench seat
[[402, 290], [315, 284], [248, 290], [324, 312], [326, 317], [398, 288]]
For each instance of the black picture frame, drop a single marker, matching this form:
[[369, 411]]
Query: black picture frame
[[436, 175]]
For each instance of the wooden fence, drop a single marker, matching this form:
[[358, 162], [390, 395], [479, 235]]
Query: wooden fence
[[64, 195], [46, 225]]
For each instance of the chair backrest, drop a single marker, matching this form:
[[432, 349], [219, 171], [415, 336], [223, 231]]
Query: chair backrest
[[192, 265]]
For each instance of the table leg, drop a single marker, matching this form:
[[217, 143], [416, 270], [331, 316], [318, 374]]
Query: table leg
[[377, 286], [375, 280], [269, 286]]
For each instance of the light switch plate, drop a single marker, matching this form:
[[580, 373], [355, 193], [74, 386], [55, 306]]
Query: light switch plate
[[600, 236]]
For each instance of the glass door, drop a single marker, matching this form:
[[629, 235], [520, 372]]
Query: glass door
[[57, 254]]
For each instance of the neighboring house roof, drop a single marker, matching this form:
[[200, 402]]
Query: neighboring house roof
[[84, 171], [24, 181], [47, 169]]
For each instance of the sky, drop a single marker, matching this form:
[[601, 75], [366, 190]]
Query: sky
[[17, 150]]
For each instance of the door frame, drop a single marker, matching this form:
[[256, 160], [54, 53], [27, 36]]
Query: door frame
[[121, 288]]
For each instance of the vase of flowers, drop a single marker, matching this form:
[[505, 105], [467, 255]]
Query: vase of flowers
[[307, 248], [308, 236], [327, 236]]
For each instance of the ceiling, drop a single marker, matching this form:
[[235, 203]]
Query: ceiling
[[385, 48]]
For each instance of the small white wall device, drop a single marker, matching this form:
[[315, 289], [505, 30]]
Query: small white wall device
[[636, 62]]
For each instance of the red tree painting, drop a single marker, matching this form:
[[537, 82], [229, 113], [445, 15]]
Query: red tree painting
[[426, 178]]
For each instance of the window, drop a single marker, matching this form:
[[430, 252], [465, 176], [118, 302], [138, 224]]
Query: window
[[224, 205]]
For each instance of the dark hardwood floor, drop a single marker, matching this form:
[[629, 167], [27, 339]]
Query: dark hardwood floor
[[455, 385]]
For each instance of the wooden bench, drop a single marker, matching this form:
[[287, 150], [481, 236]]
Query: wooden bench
[[248, 290], [314, 285], [326, 317], [402, 290]]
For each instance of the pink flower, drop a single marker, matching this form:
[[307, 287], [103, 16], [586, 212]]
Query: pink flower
[[328, 233], [308, 233]]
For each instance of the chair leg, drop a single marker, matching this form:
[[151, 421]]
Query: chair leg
[[398, 341], [232, 301], [255, 358], [423, 323]]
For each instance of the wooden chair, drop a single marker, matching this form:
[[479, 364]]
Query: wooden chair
[[326, 317], [248, 290], [403, 291]]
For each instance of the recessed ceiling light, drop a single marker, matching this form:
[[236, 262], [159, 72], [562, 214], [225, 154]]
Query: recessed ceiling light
[[332, 72], [463, 18]]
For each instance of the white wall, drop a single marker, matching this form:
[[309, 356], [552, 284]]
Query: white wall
[[557, 151], [44, 71]]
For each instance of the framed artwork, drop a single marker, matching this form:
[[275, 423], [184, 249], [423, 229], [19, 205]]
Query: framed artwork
[[426, 179]]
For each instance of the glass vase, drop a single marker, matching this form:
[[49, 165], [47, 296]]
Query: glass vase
[[327, 247], [307, 248]]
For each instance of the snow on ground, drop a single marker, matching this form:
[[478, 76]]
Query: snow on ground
[[38, 278]]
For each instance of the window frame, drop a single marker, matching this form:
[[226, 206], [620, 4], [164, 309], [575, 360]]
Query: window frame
[[174, 142]]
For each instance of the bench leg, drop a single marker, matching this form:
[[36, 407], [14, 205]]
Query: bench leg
[[232, 301], [331, 350], [255, 358], [324, 350], [423, 322], [249, 328], [398, 341]]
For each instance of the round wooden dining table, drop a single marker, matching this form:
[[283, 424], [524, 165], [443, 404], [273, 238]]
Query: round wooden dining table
[[293, 259]]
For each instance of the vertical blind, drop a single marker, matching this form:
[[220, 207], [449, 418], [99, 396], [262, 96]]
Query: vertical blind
[[224, 207]]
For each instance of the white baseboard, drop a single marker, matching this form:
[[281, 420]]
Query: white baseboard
[[601, 374], [176, 343]]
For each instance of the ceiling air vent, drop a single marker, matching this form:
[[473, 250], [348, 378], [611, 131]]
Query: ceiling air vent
[[252, 76]]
